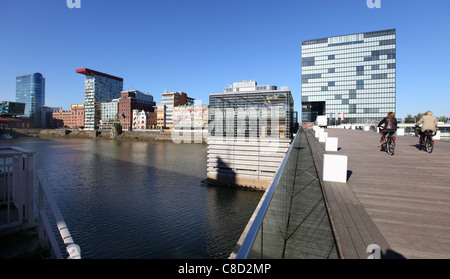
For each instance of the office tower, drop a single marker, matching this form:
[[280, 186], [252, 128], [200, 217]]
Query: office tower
[[169, 100], [250, 130], [99, 87], [350, 78], [30, 89]]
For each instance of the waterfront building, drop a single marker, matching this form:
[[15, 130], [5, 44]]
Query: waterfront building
[[160, 116], [109, 110], [350, 78], [99, 87], [250, 130], [169, 101], [45, 116], [133, 100], [191, 117], [248, 95], [11, 108], [143, 120], [30, 89], [74, 118]]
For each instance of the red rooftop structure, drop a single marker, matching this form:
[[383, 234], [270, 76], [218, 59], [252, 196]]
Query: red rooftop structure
[[88, 72]]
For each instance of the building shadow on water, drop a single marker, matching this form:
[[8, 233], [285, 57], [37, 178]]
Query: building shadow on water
[[225, 176]]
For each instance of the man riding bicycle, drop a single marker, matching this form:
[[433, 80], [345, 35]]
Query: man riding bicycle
[[390, 126], [429, 123]]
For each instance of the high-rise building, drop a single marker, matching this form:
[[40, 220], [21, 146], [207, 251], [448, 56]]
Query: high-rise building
[[99, 87], [30, 89], [350, 78]]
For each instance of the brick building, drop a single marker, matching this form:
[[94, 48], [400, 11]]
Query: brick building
[[74, 118]]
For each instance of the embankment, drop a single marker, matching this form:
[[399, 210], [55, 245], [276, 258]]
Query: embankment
[[145, 136]]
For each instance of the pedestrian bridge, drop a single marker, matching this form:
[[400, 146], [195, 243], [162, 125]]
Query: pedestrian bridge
[[400, 203]]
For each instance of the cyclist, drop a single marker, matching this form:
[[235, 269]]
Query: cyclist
[[390, 126], [429, 122]]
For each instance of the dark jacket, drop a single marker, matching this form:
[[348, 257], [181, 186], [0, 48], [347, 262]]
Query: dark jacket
[[390, 123]]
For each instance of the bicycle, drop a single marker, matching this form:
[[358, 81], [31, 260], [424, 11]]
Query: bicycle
[[427, 142], [387, 143]]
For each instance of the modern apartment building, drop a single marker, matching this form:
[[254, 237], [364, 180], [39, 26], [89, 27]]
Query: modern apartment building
[[350, 78], [165, 111], [250, 130], [133, 100], [99, 87], [30, 89]]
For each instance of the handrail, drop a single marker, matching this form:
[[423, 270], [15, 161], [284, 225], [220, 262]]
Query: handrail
[[44, 192], [266, 199]]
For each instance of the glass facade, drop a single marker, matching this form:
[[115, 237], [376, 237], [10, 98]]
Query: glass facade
[[99, 88], [109, 110], [251, 100], [351, 78], [30, 89]]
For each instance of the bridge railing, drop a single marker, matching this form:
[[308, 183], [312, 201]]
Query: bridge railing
[[16, 187], [286, 220], [45, 228]]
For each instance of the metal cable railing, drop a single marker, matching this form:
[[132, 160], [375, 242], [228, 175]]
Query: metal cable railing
[[44, 224]]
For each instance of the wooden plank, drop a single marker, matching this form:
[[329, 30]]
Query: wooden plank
[[354, 228], [406, 196]]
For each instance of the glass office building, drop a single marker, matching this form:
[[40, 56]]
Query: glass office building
[[350, 78], [30, 89], [99, 87], [248, 97]]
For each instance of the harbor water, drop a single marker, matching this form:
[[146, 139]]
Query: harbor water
[[128, 200]]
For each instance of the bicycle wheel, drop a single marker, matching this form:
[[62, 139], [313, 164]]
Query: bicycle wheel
[[390, 146], [429, 145]]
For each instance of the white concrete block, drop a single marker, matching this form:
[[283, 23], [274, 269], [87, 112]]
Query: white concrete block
[[400, 131], [366, 128], [335, 168], [437, 136], [331, 144], [323, 137], [318, 131]]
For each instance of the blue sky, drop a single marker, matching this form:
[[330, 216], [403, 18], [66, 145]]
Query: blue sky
[[199, 46]]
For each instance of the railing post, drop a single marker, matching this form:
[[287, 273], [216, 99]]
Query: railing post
[[40, 209], [30, 188]]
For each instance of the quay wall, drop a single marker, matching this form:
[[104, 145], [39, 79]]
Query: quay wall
[[145, 136]]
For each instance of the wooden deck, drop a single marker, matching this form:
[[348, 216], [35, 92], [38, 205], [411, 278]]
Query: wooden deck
[[401, 203]]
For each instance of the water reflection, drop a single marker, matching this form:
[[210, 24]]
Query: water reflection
[[142, 200]]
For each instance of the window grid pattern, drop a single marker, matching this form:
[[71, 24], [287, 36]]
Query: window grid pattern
[[353, 74]]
